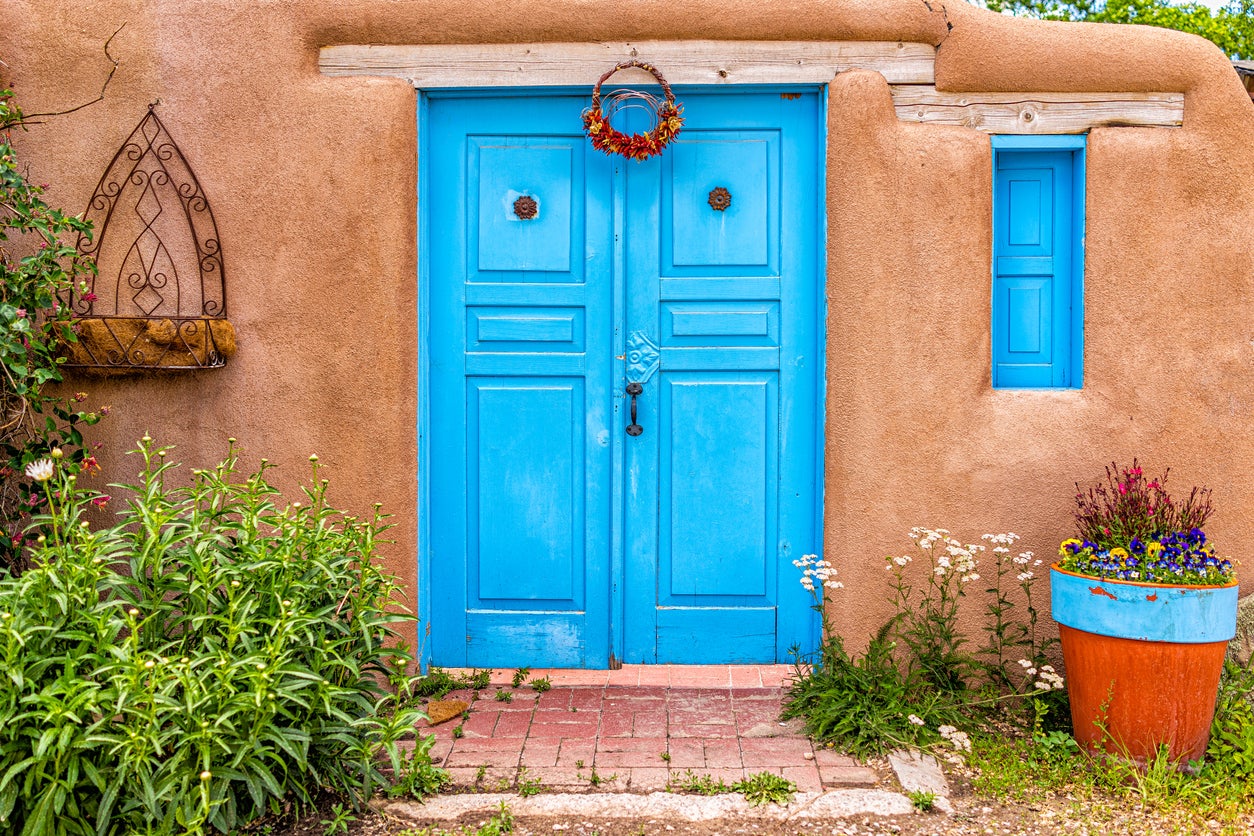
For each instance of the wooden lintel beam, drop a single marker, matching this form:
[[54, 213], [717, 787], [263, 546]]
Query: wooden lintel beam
[[1038, 113], [431, 66]]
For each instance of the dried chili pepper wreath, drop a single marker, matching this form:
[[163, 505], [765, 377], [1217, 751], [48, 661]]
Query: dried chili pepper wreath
[[634, 146]]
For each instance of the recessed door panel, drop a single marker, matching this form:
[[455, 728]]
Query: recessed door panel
[[719, 529], [527, 480], [720, 199]]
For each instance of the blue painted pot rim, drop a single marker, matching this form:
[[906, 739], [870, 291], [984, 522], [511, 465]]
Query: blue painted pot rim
[[1143, 611]]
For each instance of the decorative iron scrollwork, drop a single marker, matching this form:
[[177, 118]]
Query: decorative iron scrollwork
[[720, 199], [159, 297], [526, 207]]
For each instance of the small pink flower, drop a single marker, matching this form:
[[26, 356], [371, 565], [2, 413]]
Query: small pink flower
[[100, 501], [21, 313]]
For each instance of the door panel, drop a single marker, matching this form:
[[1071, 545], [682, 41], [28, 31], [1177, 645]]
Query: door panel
[[713, 520], [539, 317], [718, 484], [521, 356]]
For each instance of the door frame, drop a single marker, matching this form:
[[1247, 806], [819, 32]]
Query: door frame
[[617, 558]]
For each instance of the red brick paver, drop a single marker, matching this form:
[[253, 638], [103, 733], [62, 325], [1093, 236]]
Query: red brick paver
[[637, 729]]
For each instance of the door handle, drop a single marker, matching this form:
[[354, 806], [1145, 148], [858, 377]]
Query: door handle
[[634, 389]]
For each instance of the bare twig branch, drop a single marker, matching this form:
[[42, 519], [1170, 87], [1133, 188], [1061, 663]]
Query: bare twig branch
[[27, 117]]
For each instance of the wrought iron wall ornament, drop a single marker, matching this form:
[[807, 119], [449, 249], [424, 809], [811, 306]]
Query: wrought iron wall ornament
[[158, 300], [720, 199], [526, 207]]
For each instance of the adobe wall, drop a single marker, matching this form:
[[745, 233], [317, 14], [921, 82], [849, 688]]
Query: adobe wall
[[312, 183]]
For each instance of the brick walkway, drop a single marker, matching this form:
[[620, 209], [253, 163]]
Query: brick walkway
[[636, 729]]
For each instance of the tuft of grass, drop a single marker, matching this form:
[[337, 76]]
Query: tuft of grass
[[504, 696], [923, 800], [542, 684], [696, 784], [765, 788]]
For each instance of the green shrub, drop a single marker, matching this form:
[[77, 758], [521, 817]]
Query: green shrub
[[39, 268], [211, 655], [1232, 732]]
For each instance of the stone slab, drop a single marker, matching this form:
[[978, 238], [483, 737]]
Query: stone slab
[[669, 806]]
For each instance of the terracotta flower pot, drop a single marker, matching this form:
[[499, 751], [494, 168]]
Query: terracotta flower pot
[[1143, 661]]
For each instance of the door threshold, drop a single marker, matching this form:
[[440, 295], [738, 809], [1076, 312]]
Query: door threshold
[[653, 676]]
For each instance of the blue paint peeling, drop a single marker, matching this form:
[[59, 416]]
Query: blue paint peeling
[[1146, 612]]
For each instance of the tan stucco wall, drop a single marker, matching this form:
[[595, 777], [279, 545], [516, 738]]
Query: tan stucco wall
[[312, 181]]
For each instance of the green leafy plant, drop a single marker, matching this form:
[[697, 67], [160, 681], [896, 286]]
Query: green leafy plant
[[39, 267], [927, 611], [527, 785], [691, 782], [341, 818], [1232, 731], [437, 683], [541, 685], [923, 800], [419, 777], [766, 788], [1231, 28], [504, 696], [520, 676], [596, 779], [213, 654], [915, 685]]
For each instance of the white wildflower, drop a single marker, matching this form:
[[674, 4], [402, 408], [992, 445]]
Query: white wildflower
[[40, 470], [916, 721]]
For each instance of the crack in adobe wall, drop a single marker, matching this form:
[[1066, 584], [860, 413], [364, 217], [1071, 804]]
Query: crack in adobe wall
[[949, 27]]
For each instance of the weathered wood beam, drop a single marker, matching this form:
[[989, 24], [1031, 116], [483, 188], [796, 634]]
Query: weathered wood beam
[[1038, 113], [430, 66], [908, 67]]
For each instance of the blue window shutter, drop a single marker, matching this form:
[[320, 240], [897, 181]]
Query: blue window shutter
[[1038, 228]]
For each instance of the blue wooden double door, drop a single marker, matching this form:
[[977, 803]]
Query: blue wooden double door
[[624, 378]]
